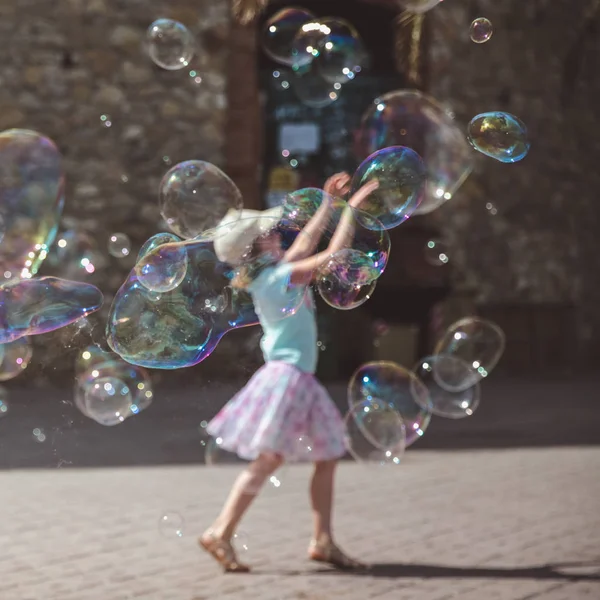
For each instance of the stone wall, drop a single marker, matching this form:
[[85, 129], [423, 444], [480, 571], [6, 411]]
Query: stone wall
[[68, 68], [526, 232]]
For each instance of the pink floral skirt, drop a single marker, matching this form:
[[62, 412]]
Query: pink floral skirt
[[282, 410]]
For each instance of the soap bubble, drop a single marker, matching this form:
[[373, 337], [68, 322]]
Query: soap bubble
[[368, 234], [170, 44], [119, 245], [419, 6], [397, 387], [477, 342], [215, 454], [171, 525], [375, 433], [412, 119], [90, 357], [499, 135], [341, 52], [31, 200], [14, 358], [436, 252], [194, 196], [441, 401], [135, 379], [308, 43], [75, 255], [481, 30], [108, 401], [401, 175], [347, 279], [4, 406], [158, 239], [39, 435], [163, 269], [313, 91], [35, 306], [183, 326], [280, 31]]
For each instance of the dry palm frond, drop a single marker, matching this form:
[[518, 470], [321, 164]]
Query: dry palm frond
[[409, 30], [245, 11]]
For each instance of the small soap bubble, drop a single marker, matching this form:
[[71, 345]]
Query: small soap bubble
[[499, 135], [312, 90], [436, 253], [170, 44], [440, 400], [194, 196], [108, 401], [171, 525], [474, 342], [39, 435], [481, 30], [14, 358], [347, 279], [375, 433], [281, 30], [119, 245], [163, 269], [4, 406], [75, 255], [240, 540]]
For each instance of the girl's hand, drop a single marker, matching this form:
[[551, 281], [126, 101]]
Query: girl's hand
[[338, 184], [363, 193]]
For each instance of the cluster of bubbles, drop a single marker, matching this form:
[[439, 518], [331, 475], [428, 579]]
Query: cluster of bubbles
[[323, 54], [391, 406]]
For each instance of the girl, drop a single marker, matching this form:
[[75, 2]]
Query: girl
[[283, 401]]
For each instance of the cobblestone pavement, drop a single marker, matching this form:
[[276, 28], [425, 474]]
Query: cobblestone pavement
[[471, 525]]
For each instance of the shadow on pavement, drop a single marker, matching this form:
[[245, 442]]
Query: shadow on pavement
[[561, 572]]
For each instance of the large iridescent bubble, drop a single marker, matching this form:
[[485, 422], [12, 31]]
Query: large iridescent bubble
[[35, 306], [412, 119], [499, 135], [280, 31], [31, 200], [397, 387], [181, 327], [194, 196], [401, 175]]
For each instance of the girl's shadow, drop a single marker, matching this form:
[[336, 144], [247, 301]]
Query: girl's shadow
[[576, 571]]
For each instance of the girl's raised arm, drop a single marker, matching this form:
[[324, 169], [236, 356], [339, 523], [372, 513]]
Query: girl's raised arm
[[303, 270]]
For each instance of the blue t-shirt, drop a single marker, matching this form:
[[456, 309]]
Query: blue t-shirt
[[287, 315]]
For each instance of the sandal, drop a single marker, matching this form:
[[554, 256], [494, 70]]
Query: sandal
[[329, 553], [222, 551]]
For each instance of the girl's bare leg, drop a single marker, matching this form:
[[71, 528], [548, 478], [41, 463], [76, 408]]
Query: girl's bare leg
[[243, 492], [322, 547], [217, 539]]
